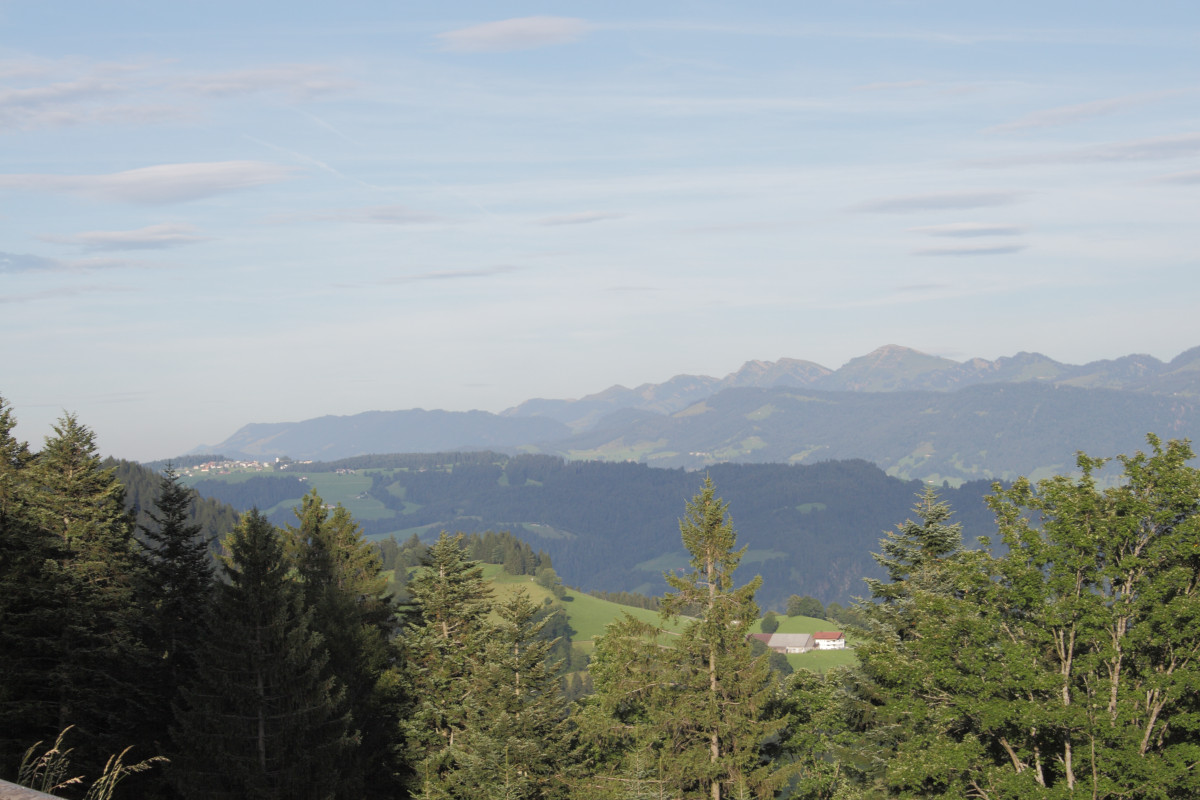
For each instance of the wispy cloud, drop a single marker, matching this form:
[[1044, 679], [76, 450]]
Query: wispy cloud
[[634, 289], [1161, 148], [582, 218], [968, 230], [62, 291], [1064, 115], [982, 250], [904, 204], [11, 69], [25, 262], [152, 237], [922, 287], [890, 85], [164, 183], [66, 92], [446, 275], [1180, 178], [305, 80], [522, 33], [35, 96], [88, 99], [369, 215]]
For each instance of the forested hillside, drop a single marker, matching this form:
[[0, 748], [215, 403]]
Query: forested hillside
[[614, 526], [1062, 664], [143, 489]]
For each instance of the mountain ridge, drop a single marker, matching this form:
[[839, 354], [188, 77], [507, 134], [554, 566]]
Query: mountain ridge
[[893, 392], [890, 367]]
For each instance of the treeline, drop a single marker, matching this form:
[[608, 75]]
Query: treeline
[[1064, 665], [258, 491], [490, 547], [143, 487], [811, 527], [407, 461], [276, 675], [634, 599]]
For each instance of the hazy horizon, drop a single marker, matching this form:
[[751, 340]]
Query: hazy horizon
[[235, 213]]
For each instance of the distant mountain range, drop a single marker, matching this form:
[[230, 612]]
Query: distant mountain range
[[913, 414]]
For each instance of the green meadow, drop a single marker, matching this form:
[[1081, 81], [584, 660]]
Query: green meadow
[[817, 660], [589, 616]]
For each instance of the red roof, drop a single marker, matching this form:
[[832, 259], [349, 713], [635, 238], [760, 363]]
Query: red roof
[[828, 635]]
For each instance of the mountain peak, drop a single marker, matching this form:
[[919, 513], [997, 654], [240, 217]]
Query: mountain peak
[[888, 368], [784, 372]]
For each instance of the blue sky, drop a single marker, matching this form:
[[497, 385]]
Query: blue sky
[[221, 213]]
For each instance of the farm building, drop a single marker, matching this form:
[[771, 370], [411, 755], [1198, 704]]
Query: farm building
[[801, 642], [829, 640]]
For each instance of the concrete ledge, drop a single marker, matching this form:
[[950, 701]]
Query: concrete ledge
[[11, 791]]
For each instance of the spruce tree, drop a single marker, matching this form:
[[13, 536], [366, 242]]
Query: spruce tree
[[883, 700], [517, 741], [724, 693], [443, 651], [344, 584], [261, 719], [912, 556], [178, 583], [627, 726], [102, 663], [175, 593], [33, 608], [691, 715]]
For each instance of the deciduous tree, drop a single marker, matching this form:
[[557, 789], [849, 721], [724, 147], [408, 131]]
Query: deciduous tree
[[1067, 666]]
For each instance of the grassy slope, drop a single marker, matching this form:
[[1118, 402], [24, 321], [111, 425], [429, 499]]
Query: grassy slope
[[817, 660], [332, 487], [590, 615]]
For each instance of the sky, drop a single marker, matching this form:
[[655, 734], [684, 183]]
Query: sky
[[213, 214]]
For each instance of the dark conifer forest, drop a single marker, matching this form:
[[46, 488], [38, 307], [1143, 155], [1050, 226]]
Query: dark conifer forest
[[159, 646]]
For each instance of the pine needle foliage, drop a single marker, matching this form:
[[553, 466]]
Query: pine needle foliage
[[693, 716], [444, 645], [262, 718], [344, 585]]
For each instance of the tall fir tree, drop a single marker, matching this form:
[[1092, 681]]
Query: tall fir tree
[[912, 557], [627, 726], [517, 741], [99, 675], [726, 694], [178, 582], [175, 593], [33, 607], [261, 719], [445, 641], [882, 705], [692, 716], [345, 586]]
